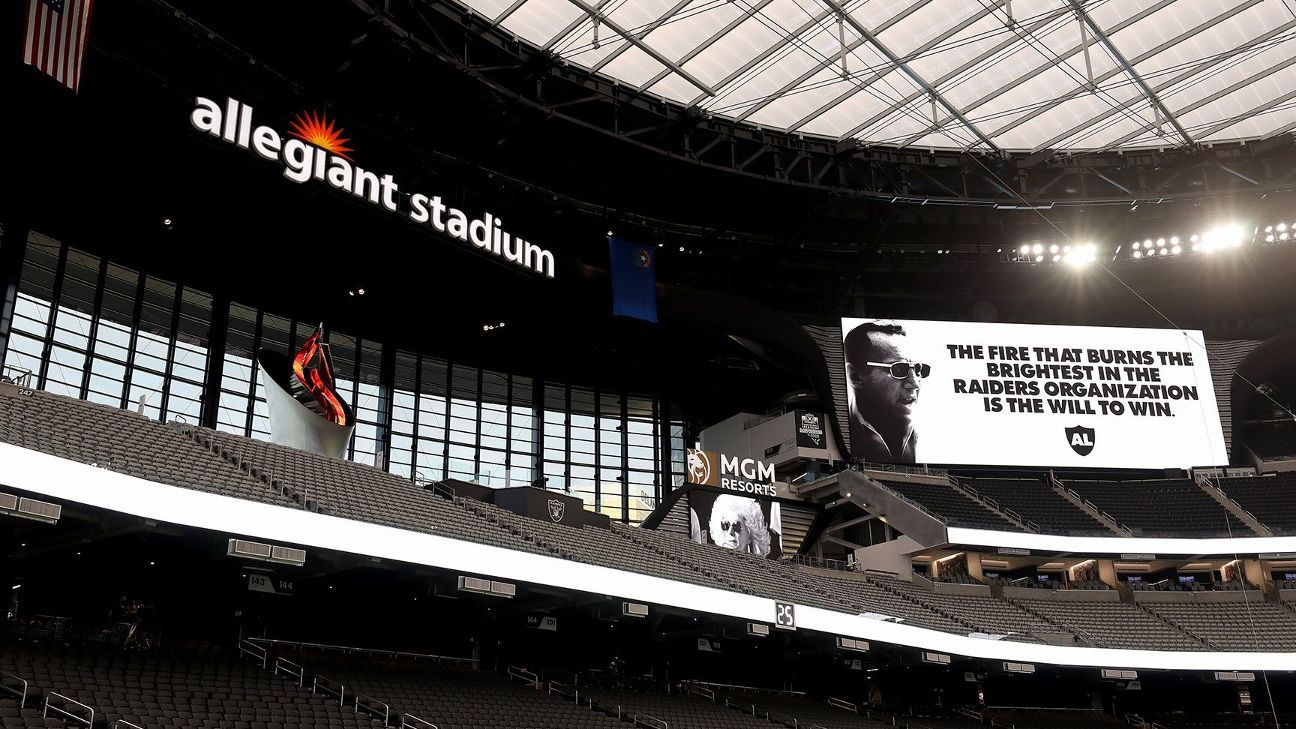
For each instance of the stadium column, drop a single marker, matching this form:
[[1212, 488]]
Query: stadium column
[[216, 338], [665, 478], [537, 430], [386, 386], [13, 243]]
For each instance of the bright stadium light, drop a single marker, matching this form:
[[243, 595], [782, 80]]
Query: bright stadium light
[[1194, 238], [1039, 248], [1147, 243], [1269, 238], [1161, 242], [1138, 254], [1176, 251], [1281, 227], [1053, 248], [1283, 236], [1025, 250], [1174, 240], [1164, 251], [1268, 228], [1083, 255], [1056, 258], [1039, 258], [1224, 236]]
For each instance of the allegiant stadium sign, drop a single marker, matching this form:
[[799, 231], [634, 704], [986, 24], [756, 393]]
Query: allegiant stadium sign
[[314, 149]]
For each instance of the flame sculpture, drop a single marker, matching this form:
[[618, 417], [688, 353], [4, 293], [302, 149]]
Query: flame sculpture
[[313, 383], [302, 400]]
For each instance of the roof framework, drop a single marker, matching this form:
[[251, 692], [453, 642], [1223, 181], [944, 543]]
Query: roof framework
[[984, 75]]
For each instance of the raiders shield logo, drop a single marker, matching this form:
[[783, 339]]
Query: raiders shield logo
[[556, 509], [1081, 439]]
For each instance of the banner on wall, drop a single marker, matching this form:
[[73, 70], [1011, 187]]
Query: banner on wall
[[1029, 395], [741, 523]]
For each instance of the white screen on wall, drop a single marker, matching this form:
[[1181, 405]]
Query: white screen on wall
[[1029, 395]]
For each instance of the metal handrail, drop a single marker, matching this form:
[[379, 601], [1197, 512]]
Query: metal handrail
[[247, 647], [784, 719], [22, 696], [371, 705], [649, 721], [122, 722], [321, 683], [409, 721], [563, 689], [745, 708], [696, 690], [45, 713], [521, 673], [299, 645], [749, 689], [837, 703], [287, 667]]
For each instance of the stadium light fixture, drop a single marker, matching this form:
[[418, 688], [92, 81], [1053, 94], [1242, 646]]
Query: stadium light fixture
[[1147, 243], [1039, 259], [1283, 236], [1281, 227], [1161, 242], [1053, 248], [1038, 248], [1025, 250], [1137, 245], [1176, 251]]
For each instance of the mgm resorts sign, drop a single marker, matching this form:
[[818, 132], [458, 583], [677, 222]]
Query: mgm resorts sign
[[314, 148], [746, 475]]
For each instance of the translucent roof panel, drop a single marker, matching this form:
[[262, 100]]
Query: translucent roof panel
[[1010, 74]]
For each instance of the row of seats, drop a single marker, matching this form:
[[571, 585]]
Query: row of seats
[[187, 686], [1038, 502], [204, 459], [1142, 506]]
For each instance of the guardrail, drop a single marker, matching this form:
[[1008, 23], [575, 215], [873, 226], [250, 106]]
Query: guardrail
[[649, 721], [695, 690], [563, 689], [123, 723], [843, 704], [353, 650], [18, 376], [87, 720], [785, 719], [325, 685], [409, 721], [258, 653], [744, 708], [521, 673], [20, 693], [372, 706], [287, 666], [747, 689]]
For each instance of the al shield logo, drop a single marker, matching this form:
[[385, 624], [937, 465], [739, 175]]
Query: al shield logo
[[1081, 439], [701, 467], [556, 509]]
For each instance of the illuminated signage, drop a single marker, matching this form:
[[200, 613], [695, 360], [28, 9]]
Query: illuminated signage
[[748, 475], [315, 149]]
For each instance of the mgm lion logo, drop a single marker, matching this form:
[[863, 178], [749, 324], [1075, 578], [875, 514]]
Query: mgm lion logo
[[701, 467]]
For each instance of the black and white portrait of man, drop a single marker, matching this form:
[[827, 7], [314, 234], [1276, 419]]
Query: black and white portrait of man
[[884, 384], [735, 522]]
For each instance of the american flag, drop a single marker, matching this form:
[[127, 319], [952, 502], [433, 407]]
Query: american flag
[[55, 38]]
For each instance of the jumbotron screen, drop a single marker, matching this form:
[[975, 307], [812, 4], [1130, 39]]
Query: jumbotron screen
[[1029, 395]]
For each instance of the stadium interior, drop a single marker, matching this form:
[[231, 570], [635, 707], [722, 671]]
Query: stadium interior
[[276, 453]]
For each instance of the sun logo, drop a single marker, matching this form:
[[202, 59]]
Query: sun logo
[[319, 131]]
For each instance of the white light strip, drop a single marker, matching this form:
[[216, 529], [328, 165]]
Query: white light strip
[[66, 480], [1160, 546]]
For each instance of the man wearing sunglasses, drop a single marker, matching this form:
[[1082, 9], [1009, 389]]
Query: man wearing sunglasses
[[884, 386]]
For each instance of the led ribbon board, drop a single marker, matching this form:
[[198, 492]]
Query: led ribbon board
[[314, 149]]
